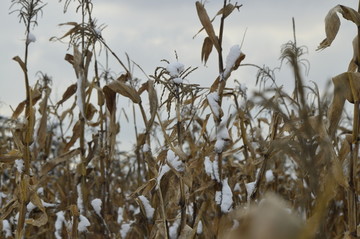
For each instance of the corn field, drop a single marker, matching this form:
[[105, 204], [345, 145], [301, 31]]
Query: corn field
[[209, 161]]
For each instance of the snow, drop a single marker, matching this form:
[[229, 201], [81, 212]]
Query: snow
[[80, 203], [146, 148], [149, 210], [79, 96], [227, 200], [6, 228], [97, 32], [269, 176], [212, 168], [224, 197], [173, 229], [213, 99], [222, 138], [30, 38], [96, 204], [60, 218], [19, 164], [125, 228], [30, 206], [120, 217], [237, 187], [175, 69], [178, 80], [174, 161], [250, 188], [83, 224], [163, 169], [231, 58], [199, 228]]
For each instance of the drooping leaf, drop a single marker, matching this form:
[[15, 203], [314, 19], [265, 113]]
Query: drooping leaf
[[70, 91], [205, 21], [332, 23], [124, 89], [206, 49]]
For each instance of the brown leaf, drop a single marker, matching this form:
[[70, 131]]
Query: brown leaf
[[332, 23], [154, 104], [206, 49], [353, 65], [110, 97], [125, 90], [205, 21], [62, 158], [70, 91], [90, 111], [19, 109], [350, 14], [21, 63]]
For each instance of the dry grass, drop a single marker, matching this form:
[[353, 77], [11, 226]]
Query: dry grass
[[209, 162]]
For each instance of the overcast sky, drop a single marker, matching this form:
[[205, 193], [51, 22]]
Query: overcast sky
[[150, 30]]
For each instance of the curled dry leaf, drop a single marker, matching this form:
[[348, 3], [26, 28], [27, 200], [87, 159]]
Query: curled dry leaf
[[332, 23], [205, 21]]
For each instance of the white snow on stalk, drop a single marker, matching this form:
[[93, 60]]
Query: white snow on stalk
[[231, 58], [222, 138], [83, 224], [120, 217], [6, 228], [96, 204], [19, 164], [269, 176], [178, 80], [199, 228], [250, 188], [175, 69], [79, 94], [174, 161], [125, 228], [163, 169], [212, 168], [30, 38], [60, 219], [213, 99], [149, 210], [227, 195], [80, 203]]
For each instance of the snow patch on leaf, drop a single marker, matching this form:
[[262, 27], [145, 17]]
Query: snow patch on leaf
[[83, 224], [149, 210], [96, 204], [175, 69]]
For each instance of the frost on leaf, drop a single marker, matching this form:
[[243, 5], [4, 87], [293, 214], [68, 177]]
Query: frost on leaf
[[149, 210]]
